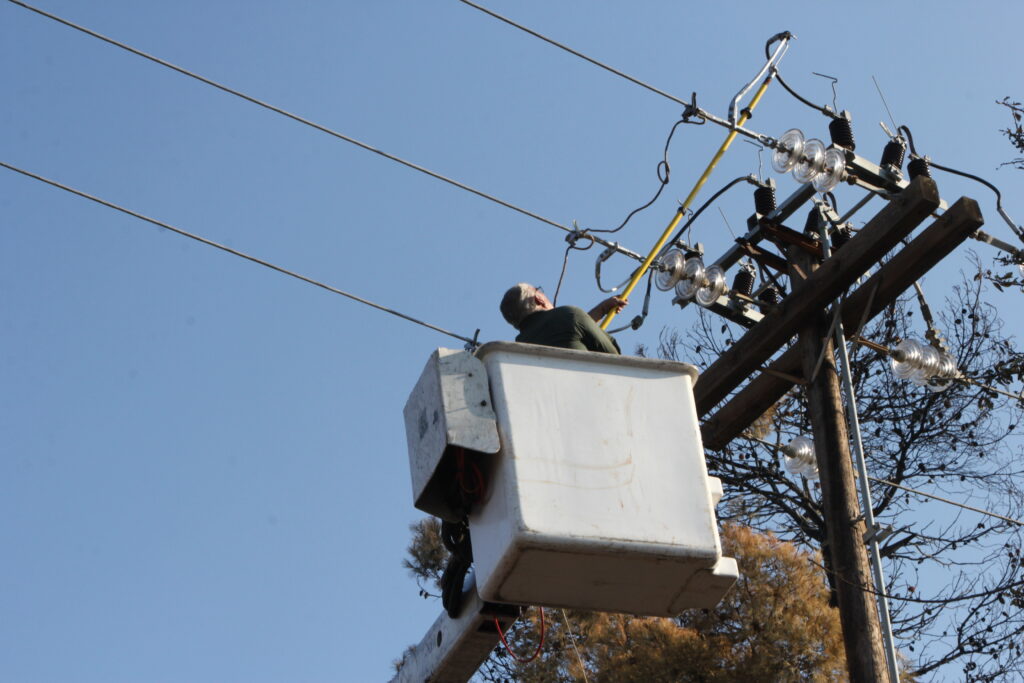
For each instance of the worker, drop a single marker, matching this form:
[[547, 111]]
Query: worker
[[528, 309]]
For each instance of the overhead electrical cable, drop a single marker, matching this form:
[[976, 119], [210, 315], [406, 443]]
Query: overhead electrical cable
[[921, 601], [234, 252], [575, 52], [947, 501], [664, 170], [775, 447], [311, 124], [691, 108], [1018, 230]]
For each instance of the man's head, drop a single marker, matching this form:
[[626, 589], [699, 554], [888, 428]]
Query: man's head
[[521, 300]]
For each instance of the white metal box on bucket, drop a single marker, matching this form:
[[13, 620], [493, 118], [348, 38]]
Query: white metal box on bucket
[[450, 406], [599, 498]]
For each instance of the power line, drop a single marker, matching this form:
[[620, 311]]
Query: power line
[[234, 252], [294, 117], [886, 482], [574, 52], [946, 500]]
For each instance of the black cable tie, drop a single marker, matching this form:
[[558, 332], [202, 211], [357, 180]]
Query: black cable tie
[[691, 108], [747, 112]]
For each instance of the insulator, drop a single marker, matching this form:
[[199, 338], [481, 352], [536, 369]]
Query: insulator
[[927, 366], [918, 166], [787, 150], [811, 160], [841, 131], [770, 295], [813, 221], [743, 283], [672, 263], [893, 153], [840, 237], [764, 200], [714, 286], [833, 170], [692, 279], [800, 459]]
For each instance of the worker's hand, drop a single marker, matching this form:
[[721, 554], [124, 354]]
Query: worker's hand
[[614, 303]]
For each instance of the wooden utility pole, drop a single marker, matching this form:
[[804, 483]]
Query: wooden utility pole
[[862, 634]]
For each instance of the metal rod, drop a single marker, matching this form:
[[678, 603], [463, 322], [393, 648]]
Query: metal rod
[[776, 57], [765, 140], [857, 207]]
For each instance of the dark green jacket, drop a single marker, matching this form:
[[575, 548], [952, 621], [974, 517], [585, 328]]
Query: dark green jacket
[[566, 327]]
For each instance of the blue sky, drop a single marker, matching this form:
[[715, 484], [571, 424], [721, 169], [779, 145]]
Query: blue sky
[[204, 473]]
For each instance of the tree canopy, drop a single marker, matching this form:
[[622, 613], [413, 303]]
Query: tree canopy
[[775, 624]]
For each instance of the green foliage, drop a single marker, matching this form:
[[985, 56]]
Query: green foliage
[[775, 625], [1015, 132], [427, 556]]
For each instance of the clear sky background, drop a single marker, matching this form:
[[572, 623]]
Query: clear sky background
[[203, 470]]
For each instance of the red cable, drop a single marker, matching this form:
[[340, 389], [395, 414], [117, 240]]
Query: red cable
[[540, 645], [479, 488]]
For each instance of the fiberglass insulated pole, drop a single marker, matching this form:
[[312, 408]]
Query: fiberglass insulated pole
[[639, 272], [770, 69]]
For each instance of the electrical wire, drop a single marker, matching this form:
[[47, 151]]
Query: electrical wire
[[663, 171], [294, 117], [637, 321], [823, 109], [1011, 520], [696, 214], [907, 598], [571, 239], [999, 195], [576, 53], [540, 645], [775, 447], [597, 273], [235, 252], [572, 641]]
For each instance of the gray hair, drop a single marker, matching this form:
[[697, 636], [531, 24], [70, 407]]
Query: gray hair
[[518, 303]]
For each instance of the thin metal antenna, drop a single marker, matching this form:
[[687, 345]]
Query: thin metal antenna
[[834, 80], [726, 222], [884, 103]]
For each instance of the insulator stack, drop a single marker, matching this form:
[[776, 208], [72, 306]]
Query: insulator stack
[[893, 153], [841, 131], [770, 295], [744, 282], [764, 200], [924, 365], [918, 166]]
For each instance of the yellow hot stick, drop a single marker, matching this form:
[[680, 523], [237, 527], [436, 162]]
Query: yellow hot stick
[[638, 275]]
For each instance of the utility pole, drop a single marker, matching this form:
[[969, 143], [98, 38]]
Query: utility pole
[[862, 635]]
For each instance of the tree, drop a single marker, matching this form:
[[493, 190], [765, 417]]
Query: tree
[[955, 578], [1015, 132], [775, 624]]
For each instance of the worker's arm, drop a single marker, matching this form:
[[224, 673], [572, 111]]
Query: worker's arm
[[611, 303]]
